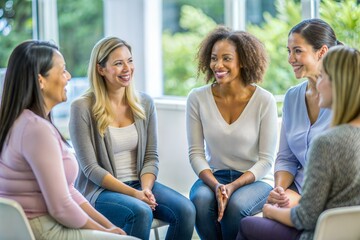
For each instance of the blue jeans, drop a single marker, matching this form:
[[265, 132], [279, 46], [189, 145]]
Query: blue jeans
[[135, 216], [245, 201]]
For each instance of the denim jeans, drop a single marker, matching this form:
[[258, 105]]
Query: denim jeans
[[245, 201], [135, 216]]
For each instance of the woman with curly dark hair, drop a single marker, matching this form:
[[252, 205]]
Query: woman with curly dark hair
[[232, 133]]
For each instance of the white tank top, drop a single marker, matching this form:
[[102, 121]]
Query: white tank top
[[124, 144]]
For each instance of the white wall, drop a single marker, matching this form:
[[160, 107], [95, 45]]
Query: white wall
[[175, 170]]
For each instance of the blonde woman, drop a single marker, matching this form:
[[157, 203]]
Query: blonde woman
[[333, 169], [114, 132]]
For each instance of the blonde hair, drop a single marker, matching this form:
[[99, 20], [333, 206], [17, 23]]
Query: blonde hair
[[102, 109], [342, 65]]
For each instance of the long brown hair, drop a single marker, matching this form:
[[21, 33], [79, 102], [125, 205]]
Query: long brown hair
[[21, 88]]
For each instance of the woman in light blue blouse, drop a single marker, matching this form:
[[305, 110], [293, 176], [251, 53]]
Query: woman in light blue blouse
[[302, 118]]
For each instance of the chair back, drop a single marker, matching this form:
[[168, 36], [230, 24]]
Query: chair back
[[14, 224], [339, 223]]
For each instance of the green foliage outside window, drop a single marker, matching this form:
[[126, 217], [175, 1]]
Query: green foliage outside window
[[179, 49], [15, 26], [80, 27]]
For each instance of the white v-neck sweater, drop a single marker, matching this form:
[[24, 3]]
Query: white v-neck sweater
[[248, 144]]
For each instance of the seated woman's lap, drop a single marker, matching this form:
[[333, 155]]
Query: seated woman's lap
[[132, 215], [245, 201], [175, 209], [258, 228], [172, 205], [135, 216]]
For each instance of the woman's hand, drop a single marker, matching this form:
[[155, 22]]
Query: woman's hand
[[148, 193], [116, 230], [278, 197], [267, 209], [147, 197], [223, 194], [283, 199], [281, 215]]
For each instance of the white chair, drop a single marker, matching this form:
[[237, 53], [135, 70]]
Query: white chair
[[14, 224], [339, 223], [155, 225]]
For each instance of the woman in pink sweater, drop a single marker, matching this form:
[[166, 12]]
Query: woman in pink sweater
[[36, 167]]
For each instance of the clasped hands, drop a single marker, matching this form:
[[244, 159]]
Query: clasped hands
[[278, 198], [148, 197], [222, 193]]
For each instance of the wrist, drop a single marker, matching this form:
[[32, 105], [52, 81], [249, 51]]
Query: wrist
[[134, 192], [216, 186], [146, 188]]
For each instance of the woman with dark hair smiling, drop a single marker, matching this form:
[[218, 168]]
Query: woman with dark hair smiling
[[232, 132], [36, 167], [333, 170], [303, 118]]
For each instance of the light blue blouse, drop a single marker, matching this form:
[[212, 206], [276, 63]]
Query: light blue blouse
[[297, 133]]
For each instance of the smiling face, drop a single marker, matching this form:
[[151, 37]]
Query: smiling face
[[53, 84], [302, 57], [119, 68], [324, 87], [225, 62]]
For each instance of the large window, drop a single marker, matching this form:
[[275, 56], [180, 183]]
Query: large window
[[16, 25], [77, 25], [81, 25], [186, 23]]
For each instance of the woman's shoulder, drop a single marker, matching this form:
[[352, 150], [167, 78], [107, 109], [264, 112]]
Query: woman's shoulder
[[340, 132], [30, 122], [264, 94], [144, 97], [294, 91], [84, 101], [146, 101], [29, 117], [199, 92]]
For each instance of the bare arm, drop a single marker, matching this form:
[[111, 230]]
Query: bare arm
[[283, 179], [98, 222], [281, 215], [113, 184], [281, 195], [228, 189], [147, 183]]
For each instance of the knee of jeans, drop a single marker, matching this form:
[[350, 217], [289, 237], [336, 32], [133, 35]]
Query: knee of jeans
[[144, 211], [201, 197], [188, 210]]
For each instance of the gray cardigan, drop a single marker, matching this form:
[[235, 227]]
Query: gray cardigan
[[94, 153], [332, 177]]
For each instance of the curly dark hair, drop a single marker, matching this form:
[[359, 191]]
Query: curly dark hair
[[251, 52]]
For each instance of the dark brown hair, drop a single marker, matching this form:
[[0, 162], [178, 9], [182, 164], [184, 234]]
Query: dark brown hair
[[316, 32], [251, 52], [21, 88]]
